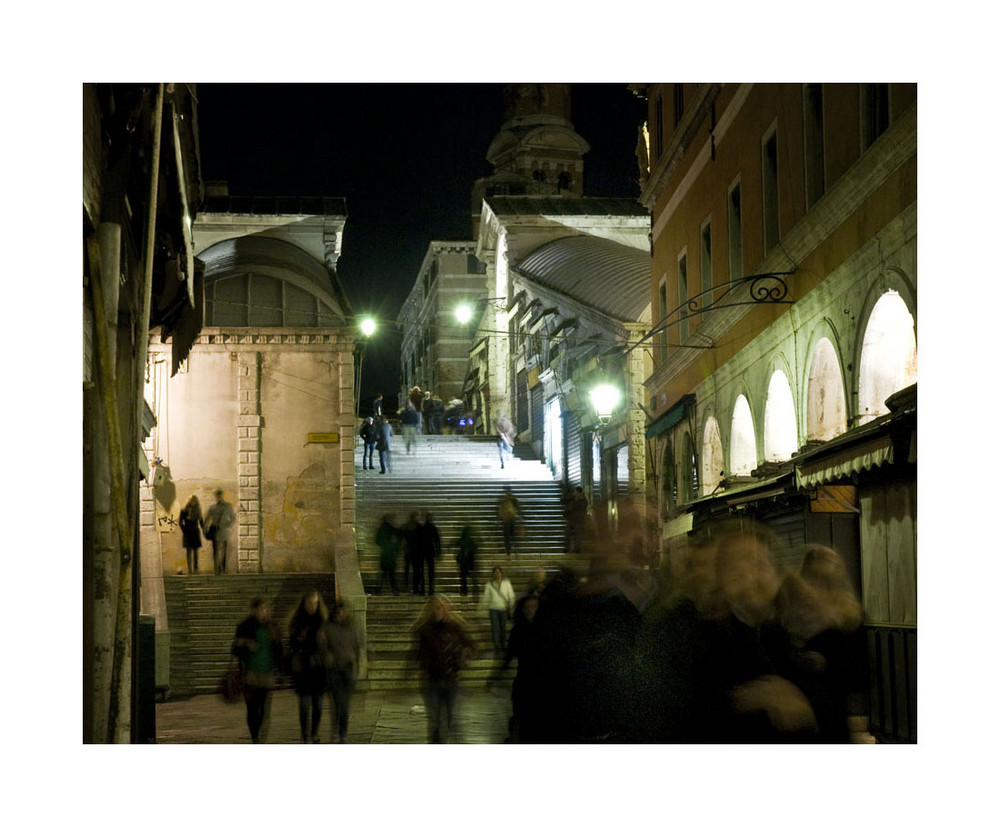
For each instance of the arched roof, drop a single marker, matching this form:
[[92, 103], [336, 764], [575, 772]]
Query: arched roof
[[610, 277]]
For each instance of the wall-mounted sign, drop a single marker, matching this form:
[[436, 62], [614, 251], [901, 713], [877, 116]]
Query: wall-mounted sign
[[323, 438]]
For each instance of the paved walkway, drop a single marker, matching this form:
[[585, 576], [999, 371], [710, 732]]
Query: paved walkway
[[377, 717]]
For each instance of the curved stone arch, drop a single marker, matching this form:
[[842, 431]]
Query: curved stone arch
[[743, 454], [895, 339], [780, 437], [712, 456], [823, 412]]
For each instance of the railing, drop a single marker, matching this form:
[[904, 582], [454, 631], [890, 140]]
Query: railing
[[892, 666]]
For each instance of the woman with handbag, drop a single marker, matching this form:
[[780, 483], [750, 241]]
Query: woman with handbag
[[258, 648], [307, 643], [191, 522], [499, 598]]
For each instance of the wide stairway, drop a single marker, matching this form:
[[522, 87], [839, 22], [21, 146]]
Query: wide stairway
[[458, 481]]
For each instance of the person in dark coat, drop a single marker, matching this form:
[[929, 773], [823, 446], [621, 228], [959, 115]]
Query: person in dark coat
[[191, 523], [343, 650], [257, 645], [576, 520], [369, 436], [427, 409], [432, 549], [308, 648], [443, 648], [712, 659], [468, 548], [377, 407], [383, 443], [389, 540]]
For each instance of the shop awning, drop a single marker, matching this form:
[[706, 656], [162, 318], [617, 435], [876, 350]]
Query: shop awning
[[862, 456], [673, 415]]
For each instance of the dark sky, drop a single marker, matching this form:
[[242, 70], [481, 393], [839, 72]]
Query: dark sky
[[404, 156]]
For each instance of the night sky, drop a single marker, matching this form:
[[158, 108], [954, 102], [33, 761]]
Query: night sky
[[404, 156]]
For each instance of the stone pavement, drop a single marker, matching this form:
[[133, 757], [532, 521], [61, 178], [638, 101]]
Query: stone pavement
[[377, 717]]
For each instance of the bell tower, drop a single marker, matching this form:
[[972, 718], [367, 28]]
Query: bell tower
[[537, 151]]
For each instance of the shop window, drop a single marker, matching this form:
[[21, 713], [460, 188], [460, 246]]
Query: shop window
[[713, 462], [743, 441], [826, 405], [780, 433], [888, 356]]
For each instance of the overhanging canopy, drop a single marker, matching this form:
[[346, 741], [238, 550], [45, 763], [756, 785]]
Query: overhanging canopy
[[852, 459]]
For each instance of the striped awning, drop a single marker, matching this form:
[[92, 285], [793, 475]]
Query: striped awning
[[862, 456]]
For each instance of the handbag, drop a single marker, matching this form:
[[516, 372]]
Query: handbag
[[231, 686], [210, 532]]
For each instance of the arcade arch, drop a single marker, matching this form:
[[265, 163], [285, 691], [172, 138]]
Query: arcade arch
[[743, 440], [826, 404], [713, 460], [888, 355], [780, 431]]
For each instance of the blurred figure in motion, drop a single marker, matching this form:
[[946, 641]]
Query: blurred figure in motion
[[509, 514], [383, 444], [819, 609], [506, 434], [343, 656], [443, 648], [521, 647], [468, 548], [218, 522], [431, 542], [407, 533], [389, 540], [257, 645], [711, 660], [499, 600], [308, 665], [576, 520]]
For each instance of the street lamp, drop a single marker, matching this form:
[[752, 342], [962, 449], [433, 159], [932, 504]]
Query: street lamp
[[463, 313], [367, 327], [605, 398]]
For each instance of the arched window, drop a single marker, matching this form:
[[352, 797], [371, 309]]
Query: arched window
[[743, 441], [256, 300], [780, 432], [888, 356], [689, 471], [826, 405], [713, 461], [668, 482]]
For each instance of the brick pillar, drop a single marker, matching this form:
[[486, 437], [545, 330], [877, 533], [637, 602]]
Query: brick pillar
[[248, 464]]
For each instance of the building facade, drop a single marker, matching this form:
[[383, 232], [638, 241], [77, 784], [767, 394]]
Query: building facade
[[784, 294], [141, 190], [435, 346]]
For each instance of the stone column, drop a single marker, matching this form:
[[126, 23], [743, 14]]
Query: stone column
[[248, 489], [636, 425]]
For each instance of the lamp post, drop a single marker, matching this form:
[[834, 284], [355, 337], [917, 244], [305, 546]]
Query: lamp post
[[605, 398], [367, 327]]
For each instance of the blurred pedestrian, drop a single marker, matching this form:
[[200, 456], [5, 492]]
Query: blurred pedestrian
[[257, 645], [377, 407], [389, 540], [437, 414], [499, 600], [711, 656], [506, 435], [191, 523], [432, 549], [509, 514], [819, 609], [416, 397], [308, 648], [576, 519], [427, 409], [468, 548], [343, 650], [218, 522], [369, 436], [443, 649], [383, 443], [409, 419], [407, 533]]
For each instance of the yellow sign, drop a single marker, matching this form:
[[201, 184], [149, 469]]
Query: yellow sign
[[323, 438]]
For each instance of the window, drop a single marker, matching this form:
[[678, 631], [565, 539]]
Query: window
[[769, 189], [813, 131], [874, 112], [682, 293], [706, 262], [735, 234], [678, 103]]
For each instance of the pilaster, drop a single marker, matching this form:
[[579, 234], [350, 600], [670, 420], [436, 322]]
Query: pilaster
[[248, 462]]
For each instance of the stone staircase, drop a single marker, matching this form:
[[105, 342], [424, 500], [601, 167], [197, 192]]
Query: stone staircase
[[203, 612], [458, 480]]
